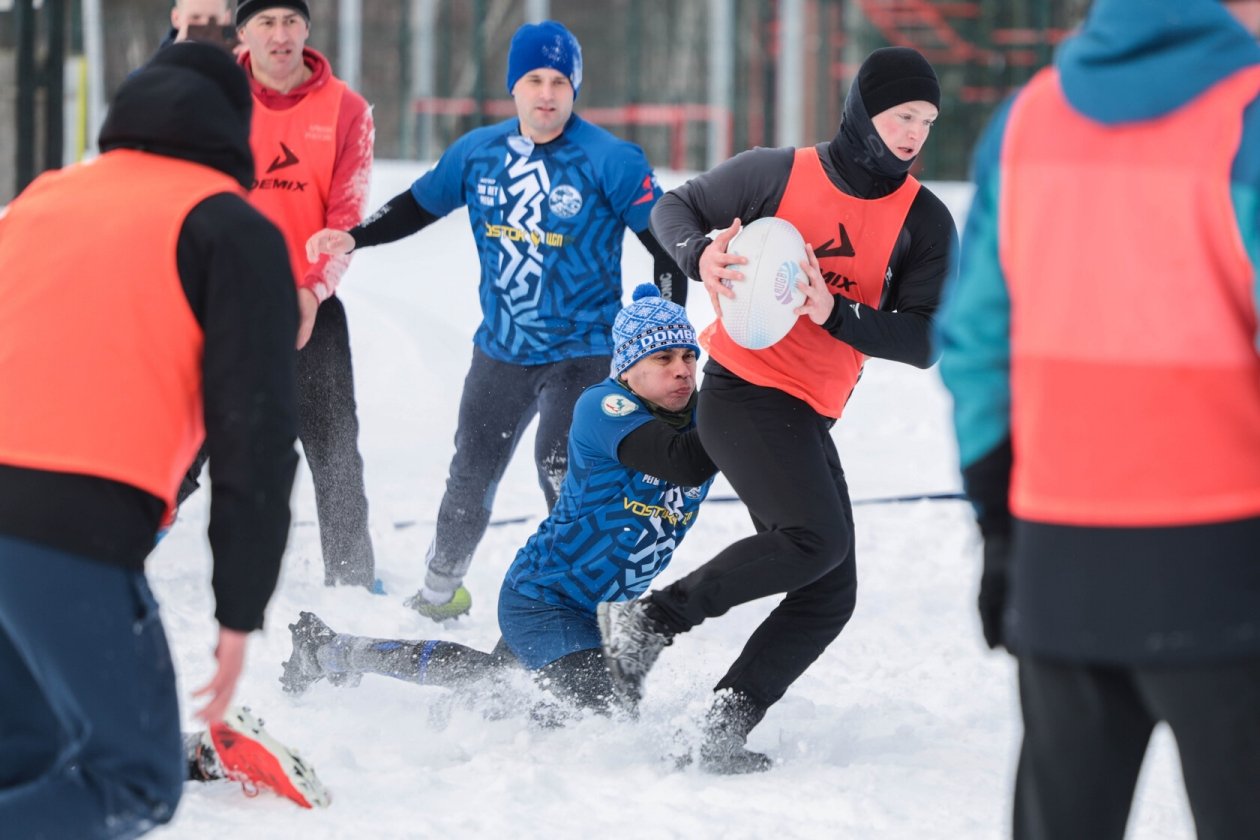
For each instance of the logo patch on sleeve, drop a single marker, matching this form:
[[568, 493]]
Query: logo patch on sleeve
[[615, 405]]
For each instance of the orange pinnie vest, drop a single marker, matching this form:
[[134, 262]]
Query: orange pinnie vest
[[1134, 374], [100, 354], [294, 153], [853, 239]]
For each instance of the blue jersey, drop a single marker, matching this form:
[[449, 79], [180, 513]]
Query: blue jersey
[[613, 528], [549, 221]]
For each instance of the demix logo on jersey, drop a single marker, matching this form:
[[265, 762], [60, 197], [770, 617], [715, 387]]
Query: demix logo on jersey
[[283, 160]]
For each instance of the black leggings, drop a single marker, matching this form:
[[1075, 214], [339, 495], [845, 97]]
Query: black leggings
[[328, 427], [778, 454]]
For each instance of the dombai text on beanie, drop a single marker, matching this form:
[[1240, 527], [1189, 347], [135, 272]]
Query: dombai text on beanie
[[546, 44], [246, 9], [647, 325], [894, 75]]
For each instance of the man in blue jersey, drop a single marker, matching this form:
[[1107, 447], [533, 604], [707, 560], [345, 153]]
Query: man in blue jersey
[[549, 197], [637, 475]]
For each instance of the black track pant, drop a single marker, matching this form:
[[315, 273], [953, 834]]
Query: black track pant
[[778, 454], [498, 402], [328, 427], [579, 678], [1086, 731]]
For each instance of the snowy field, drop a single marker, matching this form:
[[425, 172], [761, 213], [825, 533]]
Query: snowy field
[[907, 727]]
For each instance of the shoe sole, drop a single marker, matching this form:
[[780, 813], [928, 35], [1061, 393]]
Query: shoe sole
[[294, 678], [251, 756]]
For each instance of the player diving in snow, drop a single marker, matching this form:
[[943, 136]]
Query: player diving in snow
[[636, 480]]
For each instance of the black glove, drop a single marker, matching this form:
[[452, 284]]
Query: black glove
[[992, 600]]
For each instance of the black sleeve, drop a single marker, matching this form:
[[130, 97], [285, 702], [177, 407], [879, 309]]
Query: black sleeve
[[401, 216], [658, 449], [668, 276], [901, 328], [987, 483], [746, 187], [235, 270]]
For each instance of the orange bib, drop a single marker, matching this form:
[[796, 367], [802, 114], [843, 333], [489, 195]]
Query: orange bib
[[294, 152], [100, 355], [1134, 374], [853, 239]]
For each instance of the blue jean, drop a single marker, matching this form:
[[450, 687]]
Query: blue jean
[[90, 741]]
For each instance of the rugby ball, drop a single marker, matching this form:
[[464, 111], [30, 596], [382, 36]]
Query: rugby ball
[[762, 311]]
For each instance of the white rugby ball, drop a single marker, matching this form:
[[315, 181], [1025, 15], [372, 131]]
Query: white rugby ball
[[762, 311]]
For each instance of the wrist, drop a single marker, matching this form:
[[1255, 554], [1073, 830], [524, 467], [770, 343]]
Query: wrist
[[839, 305]]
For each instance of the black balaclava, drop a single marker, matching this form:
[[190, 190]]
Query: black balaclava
[[888, 77]]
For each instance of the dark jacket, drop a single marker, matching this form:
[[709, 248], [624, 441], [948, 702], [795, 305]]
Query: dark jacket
[[235, 273]]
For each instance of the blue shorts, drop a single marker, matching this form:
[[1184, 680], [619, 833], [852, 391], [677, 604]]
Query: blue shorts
[[539, 633]]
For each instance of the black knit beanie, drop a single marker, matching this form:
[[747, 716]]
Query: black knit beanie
[[893, 75], [191, 101], [216, 65], [246, 9]]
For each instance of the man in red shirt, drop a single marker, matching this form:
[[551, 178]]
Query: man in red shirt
[[312, 141]]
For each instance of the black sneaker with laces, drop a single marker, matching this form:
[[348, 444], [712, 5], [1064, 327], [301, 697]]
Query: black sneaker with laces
[[632, 641]]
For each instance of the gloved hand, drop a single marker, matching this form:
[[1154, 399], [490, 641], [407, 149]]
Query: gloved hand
[[992, 600]]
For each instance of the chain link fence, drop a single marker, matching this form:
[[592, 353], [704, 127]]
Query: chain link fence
[[435, 68]]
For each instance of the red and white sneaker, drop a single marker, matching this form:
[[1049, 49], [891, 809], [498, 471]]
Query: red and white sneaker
[[246, 753]]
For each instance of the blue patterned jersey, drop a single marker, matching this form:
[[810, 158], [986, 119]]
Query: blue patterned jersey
[[549, 221], [613, 529]]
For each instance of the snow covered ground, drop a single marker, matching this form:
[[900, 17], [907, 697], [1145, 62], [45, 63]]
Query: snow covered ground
[[906, 728]]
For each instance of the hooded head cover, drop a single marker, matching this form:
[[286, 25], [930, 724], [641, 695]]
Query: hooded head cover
[[248, 8], [888, 77], [191, 101], [546, 44], [649, 324], [895, 75]]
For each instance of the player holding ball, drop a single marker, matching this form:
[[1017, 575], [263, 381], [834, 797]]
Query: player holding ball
[[879, 246]]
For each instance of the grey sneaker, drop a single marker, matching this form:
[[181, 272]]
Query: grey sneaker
[[631, 641], [302, 668]]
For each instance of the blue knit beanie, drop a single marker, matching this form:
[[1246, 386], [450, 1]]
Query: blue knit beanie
[[546, 44], [650, 323]]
